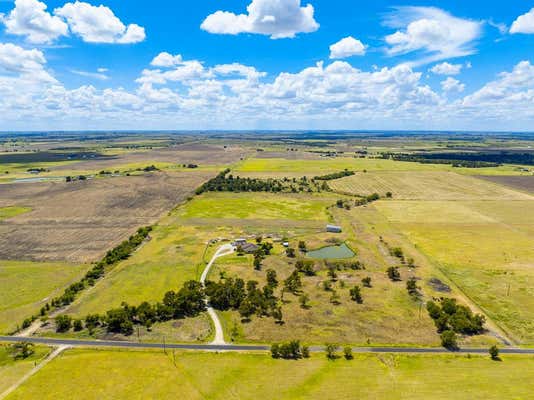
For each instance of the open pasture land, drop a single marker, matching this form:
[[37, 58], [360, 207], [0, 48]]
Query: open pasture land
[[325, 165], [10, 212], [80, 221], [523, 183], [118, 374], [12, 370], [26, 287], [424, 185], [485, 247], [257, 206]]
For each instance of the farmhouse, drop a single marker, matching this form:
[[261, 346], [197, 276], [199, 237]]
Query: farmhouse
[[247, 247], [333, 229]]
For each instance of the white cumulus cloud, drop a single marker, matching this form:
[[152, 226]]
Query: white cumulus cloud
[[99, 24], [166, 60], [432, 32], [452, 85], [347, 47], [446, 69], [276, 18], [524, 23], [29, 18]]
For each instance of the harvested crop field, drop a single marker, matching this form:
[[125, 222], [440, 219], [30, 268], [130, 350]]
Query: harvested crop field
[[524, 183], [424, 185], [200, 154], [80, 221]]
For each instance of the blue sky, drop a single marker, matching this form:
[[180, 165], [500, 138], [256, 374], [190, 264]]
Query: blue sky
[[94, 65]]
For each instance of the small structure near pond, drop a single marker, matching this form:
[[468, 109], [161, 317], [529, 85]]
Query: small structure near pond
[[334, 229]]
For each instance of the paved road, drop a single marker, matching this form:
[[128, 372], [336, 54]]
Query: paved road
[[232, 347], [224, 250]]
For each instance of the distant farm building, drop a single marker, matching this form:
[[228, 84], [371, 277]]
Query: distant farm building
[[333, 229]]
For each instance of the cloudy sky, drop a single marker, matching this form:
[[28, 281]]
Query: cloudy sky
[[267, 64]]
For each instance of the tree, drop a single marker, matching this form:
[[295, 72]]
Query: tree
[[366, 282], [411, 287], [272, 280], [78, 326], [394, 274], [449, 340], [63, 323], [293, 283], [334, 298], [22, 350], [257, 263], [302, 246], [290, 252], [330, 350], [305, 352], [494, 353], [356, 294], [347, 352], [246, 309], [303, 300], [275, 350], [332, 273], [277, 315]]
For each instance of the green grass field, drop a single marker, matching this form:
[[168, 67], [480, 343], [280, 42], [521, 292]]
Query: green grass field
[[27, 286], [311, 168], [143, 374], [12, 370], [12, 211], [486, 248], [256, 206], [424, 185]]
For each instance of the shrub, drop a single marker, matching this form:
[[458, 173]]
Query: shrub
[[449, 340]]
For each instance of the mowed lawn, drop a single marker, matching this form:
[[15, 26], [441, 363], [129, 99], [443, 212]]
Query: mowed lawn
[[257, 206], [113, 374], [12, 370], [424, 185], [485, 247], [26, 286]]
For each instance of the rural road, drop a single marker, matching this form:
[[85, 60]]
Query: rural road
[[232, 347], [224, 250]]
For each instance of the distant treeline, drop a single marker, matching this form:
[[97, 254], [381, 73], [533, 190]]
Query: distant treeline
[[469, 160], [335, 175]]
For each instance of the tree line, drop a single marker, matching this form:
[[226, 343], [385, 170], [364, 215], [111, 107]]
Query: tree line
[[113, 256]]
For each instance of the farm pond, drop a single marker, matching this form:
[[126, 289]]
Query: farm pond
[[331, 252]]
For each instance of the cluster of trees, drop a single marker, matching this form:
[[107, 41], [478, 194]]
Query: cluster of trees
[[21, 350], [263, 251], [331, 350], [412, 288], [369, 199], [466, 160], [248, 299], [307, 267], [229, 183], [120, 252], [335, 175], [190, 166], [345, 265], [75, 178], [451, 318], [291, 350], [189, 301]]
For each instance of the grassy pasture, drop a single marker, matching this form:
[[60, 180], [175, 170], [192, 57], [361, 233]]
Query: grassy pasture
[[424, 185], [327, 165], [26, 287], [256, 206], [12, 370], [486, 248], [12, 211], [149, 374]]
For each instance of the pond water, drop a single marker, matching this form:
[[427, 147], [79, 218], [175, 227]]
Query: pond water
[[331, 252]]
